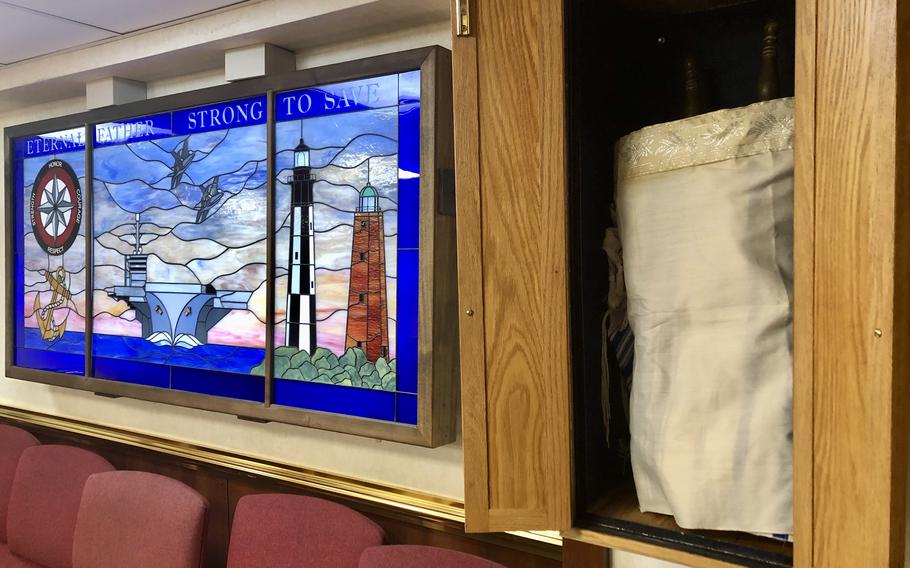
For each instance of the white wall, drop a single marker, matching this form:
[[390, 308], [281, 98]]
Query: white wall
[[620, 559], [437, 471]]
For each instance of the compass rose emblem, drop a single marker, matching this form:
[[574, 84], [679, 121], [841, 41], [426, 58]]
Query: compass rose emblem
[[56, 207]]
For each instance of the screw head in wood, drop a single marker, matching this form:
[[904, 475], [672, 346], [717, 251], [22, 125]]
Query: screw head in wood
[[469, 312], [877, 333]]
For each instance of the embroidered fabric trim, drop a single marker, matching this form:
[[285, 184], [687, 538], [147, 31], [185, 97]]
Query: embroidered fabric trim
[[713, 137]]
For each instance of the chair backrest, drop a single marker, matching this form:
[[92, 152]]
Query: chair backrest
[[411, 556], [292, 531], [13, 441], [140, 520], [44, 502]]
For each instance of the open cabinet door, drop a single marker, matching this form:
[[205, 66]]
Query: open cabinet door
[[861, 305], [513, 260]]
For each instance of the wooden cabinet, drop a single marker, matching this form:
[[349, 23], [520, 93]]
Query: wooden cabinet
[[855, 250], [514, 145], [511, 225]]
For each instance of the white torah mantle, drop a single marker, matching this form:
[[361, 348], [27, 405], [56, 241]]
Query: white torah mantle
[[705, 209]]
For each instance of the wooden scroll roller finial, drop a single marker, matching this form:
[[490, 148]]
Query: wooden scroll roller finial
[[767, 78], [694, 104]]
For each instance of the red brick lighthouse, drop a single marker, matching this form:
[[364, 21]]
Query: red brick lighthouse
[[368, 326]]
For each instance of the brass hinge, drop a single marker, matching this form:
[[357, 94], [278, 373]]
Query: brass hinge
[[462, 18]]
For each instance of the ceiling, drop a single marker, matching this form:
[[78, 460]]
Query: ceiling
[[32, 28], [71, 54]]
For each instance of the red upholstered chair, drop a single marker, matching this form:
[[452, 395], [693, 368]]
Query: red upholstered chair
[[13, 441], [44, 501], [139, 520], [291, 531], [410, 556]]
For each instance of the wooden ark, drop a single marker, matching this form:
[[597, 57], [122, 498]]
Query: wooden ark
[[542, 92]]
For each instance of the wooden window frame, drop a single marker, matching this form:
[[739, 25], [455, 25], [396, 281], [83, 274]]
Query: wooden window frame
[[437, 359]]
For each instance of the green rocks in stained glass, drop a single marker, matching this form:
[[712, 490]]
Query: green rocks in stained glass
[[309, 371], [294, 375], [386, 373], [383, 367], [353, 357], [299, 359], [282, 364], [288, 352], [325, 359], [368, 375], [351, 369], [283, 360]]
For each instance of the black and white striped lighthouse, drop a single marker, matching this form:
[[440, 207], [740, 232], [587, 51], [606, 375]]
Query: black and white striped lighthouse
[[300, 326]]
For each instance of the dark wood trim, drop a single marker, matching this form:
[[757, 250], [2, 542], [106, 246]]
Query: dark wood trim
[[425, 327], [446, 401], [10, 252], [88, 203], [243, 409], [437, 350], [270, 250], [438, 324], [578, 554]]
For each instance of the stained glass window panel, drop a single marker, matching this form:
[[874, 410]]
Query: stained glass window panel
[[49, 249], [179, 230], [338, 296]]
